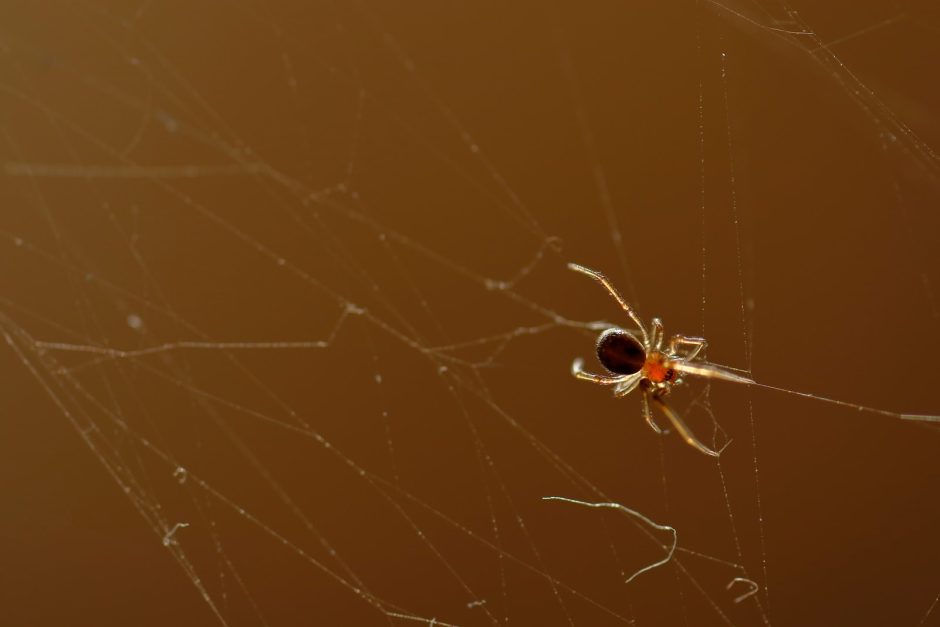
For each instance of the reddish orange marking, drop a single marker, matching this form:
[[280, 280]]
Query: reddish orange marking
[[655, 370]]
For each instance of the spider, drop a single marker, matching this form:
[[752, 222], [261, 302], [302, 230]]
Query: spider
[[631, 363]]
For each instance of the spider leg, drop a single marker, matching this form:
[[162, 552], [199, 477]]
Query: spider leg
[[682, 428], [656, 334], [648, 414], [603, 280], [708, 371], [577, 369], [695, 345], [628, 384]]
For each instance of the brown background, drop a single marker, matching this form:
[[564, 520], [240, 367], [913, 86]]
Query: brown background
[[349, 132]]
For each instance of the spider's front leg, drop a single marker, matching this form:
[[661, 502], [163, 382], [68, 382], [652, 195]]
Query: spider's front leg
[[682, 428], [648, 414], [695, 345], [656, 334]]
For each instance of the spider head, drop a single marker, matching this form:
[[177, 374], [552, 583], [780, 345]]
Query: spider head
[[619, 352], [659, 370]]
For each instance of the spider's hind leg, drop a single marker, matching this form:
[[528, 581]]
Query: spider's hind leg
[[577, 369], [605, 282], [628, 384]]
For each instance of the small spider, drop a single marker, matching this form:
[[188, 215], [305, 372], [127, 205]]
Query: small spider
[[631, 363]]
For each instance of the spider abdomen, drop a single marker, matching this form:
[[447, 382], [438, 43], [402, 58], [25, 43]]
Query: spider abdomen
[[619, 352]]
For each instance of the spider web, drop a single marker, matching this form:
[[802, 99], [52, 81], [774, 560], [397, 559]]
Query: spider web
[[295, 276]]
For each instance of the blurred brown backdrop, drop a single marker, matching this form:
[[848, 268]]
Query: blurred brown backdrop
[[235, 172]]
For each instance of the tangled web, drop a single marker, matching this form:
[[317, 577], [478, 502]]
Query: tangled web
[[295, 276]]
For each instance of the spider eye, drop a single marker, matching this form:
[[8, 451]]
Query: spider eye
[[620, 352]]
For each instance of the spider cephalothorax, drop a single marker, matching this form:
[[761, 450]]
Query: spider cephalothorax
[[645, 363]]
